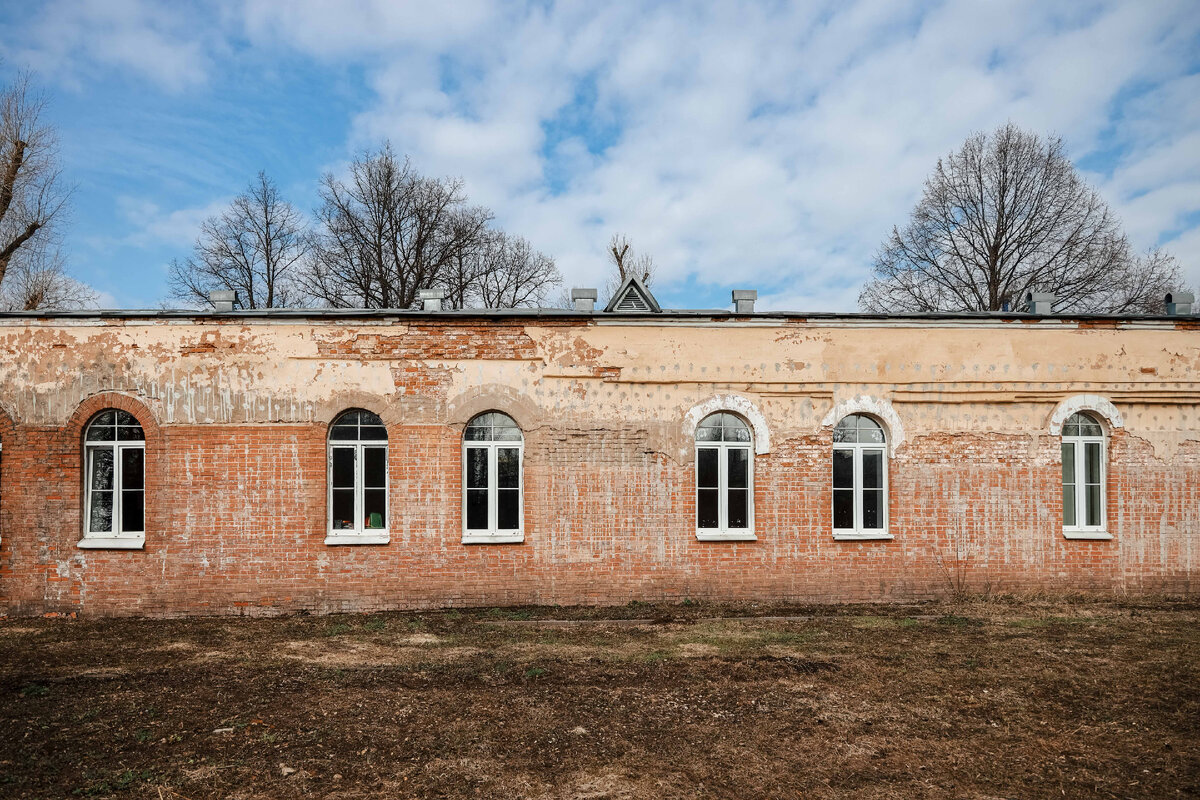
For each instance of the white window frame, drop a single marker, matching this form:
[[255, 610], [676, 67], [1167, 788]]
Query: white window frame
[[723, 533], [114, 539], [858, 533], [359, 534], [493, 535], [1079, 443]]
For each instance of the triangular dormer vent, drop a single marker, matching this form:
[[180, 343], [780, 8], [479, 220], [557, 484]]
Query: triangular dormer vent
[[633, 297]]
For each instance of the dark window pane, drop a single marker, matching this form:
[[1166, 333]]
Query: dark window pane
[[478, 434], [343, 509], [1068, 505], [132, 504], [872, 469], [1091, 456], [105, 418], [343, 433], [477, 509], [369, 418], [375, 467], [102, 467], [872, 509], [508, 465], [843, 469], [372, 434], [101, 433], [508, 509], [738, 474], [843, 509], [846, 431], [706, 508], [1068, 459], [130, 434], [1093, 505], [707, 467], [133, 469], [100, 520], [343, 467], [477, 468], [738, 508], [374, 507]]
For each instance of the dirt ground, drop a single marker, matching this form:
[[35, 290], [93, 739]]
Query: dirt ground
[[983, 699]]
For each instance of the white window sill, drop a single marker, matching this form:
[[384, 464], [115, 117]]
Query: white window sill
[[493, 538], [137, 542], [862, 536], [1101, 536], [374, 537], [726, 536]]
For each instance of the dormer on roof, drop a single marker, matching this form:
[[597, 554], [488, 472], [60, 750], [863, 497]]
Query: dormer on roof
[[633, 296]]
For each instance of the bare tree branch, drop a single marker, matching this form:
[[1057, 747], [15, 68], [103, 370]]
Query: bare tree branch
[[627, 262], [41, 282], [1004, 215]]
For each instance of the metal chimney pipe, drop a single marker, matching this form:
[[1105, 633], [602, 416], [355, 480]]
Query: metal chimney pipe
[[584, 299]]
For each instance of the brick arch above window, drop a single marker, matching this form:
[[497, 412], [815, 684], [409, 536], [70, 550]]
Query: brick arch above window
[[738, 405], [93, 405], [390, 413], [493, 397], [876, 407], [1085, 402]]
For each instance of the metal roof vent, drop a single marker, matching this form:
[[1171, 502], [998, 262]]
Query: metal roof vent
[[743, 300], [431, 299], [223, 300], [1179, 304], [633, 297], [1039, 302], [584, 299]]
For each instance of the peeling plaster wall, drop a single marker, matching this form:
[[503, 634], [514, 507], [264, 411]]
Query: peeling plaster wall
[[607, 408]]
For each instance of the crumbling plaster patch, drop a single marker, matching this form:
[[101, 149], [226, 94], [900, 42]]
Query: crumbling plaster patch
[[737, 404], [1084, 402], [876, 407]]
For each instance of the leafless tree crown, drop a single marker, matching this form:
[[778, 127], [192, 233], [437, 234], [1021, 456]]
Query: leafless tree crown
[[627, 262], [32, 197], [1008, 214], [39, 280], [256, 247]]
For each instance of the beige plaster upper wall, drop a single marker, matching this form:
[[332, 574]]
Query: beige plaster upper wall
[[1000, 377]]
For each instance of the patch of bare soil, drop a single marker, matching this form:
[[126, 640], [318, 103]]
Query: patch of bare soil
[[1032, 698]]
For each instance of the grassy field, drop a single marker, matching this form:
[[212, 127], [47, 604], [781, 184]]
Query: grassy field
[[999, 698]]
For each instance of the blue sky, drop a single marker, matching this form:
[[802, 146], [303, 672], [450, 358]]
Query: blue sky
[[757, 145]]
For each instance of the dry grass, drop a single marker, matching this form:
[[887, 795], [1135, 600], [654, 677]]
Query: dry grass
[[1036, 697]]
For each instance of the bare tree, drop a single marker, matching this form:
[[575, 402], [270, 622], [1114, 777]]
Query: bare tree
[[255, 247], [32, 197], [39, 282], [511, 274], [1004, 215], [627, 262], [387, 232]]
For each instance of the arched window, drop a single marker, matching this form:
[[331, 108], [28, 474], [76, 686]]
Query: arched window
[[492, 479], [114, 481], [859, 479], [724, 478], [358, 479], [1083, 460]]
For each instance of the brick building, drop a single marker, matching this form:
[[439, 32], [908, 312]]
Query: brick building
[[222, 462]]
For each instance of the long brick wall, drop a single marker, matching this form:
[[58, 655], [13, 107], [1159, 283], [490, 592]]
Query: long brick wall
[[236, 473]]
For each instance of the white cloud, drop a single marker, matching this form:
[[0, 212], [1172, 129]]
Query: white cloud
[[153, 225]]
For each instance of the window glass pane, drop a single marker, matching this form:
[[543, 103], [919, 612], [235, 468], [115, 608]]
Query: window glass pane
[[846, 430], [843, 509], [508, 465], [105, 419], [132, 469], [738, 474], [508, 509], [477, 509], [1093, 505], [707, 467], [1068, 505], [343, 468], [843, 469], [506, 434], [100, 518], [98, 432], [478, 434], [372, 434], [872, 509], [477, 468], [343, 433], [707, 501], [125, 418], [132, 504], [130, 434], [1091, 456], [374, 507], [369, 418], [1068, 459], [342, 511], [375, 467], [708, 434], [872, 469], [102, 467], [738, 508]]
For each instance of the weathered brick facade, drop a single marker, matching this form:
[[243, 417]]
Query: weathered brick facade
[[236, 410]]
